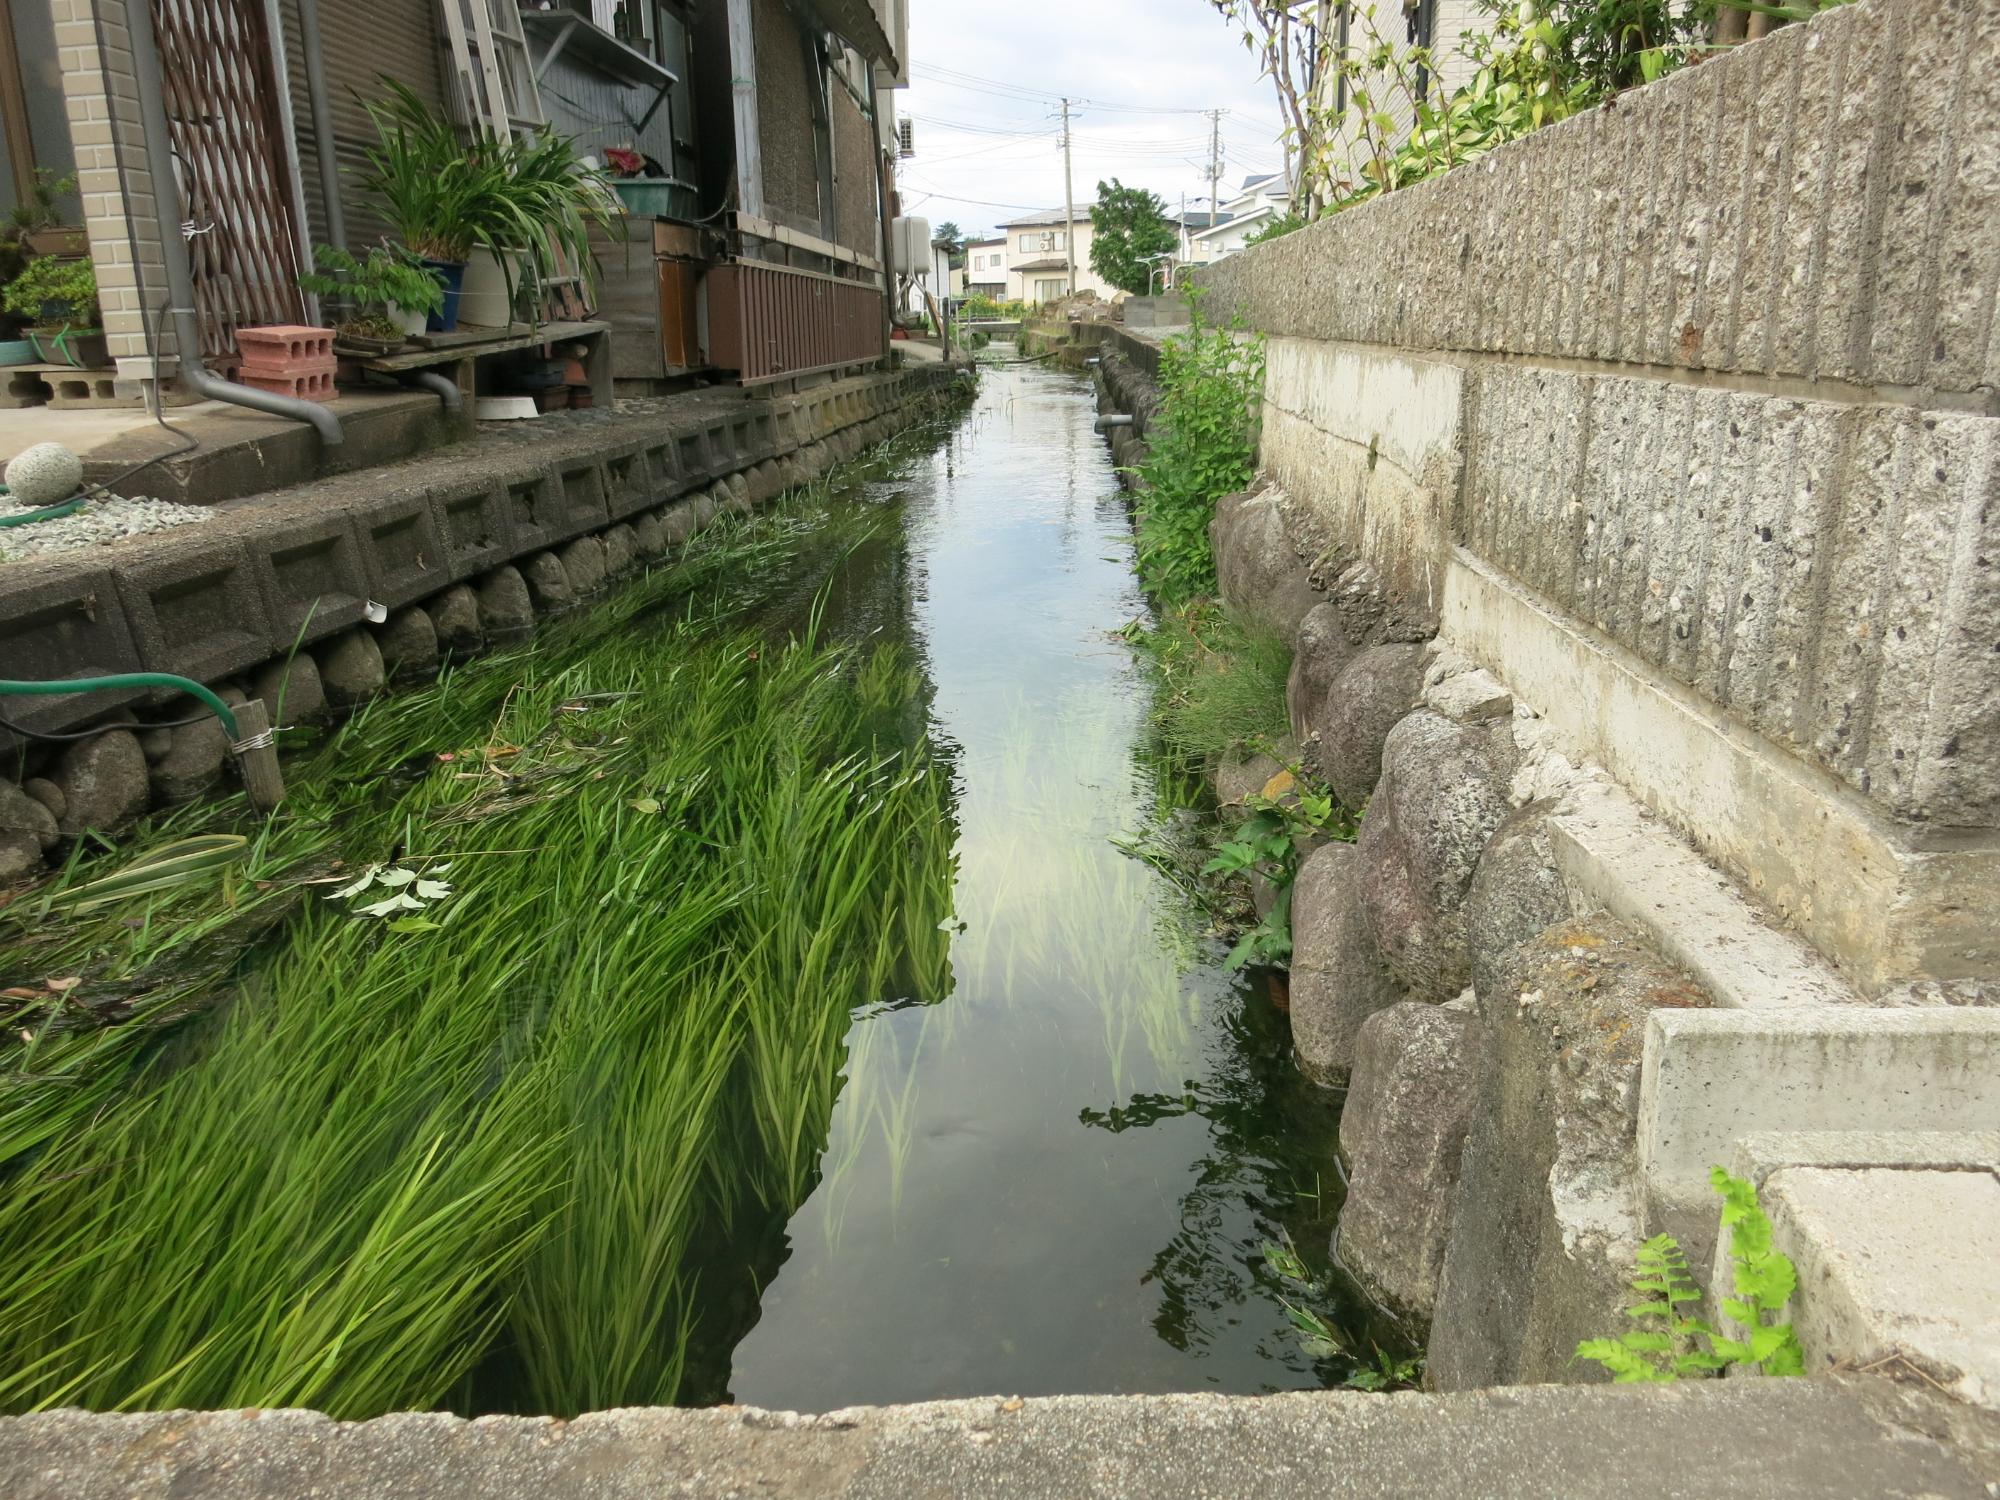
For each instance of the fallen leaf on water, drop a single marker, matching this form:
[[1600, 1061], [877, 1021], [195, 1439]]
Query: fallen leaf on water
[[63, 986], [16, 992]]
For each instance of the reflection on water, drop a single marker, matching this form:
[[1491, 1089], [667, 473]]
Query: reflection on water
[[1059, 1178]]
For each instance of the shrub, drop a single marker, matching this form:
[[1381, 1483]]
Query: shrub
[[71, 284], [1203, 446]]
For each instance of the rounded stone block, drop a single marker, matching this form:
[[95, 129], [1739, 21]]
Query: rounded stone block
[[1338, 978], [506, 604], [455, 615], [409, 644], [1442, 794], [351, 669], [104, 783], [1369, 694], [548, 584]]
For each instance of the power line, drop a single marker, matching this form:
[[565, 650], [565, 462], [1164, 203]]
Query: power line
[[952, 77]]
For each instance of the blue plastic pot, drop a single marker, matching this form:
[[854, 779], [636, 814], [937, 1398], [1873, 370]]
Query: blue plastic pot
[[452, 274]]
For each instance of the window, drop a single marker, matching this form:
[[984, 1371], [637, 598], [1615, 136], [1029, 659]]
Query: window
[[1048, 289], [1043, 240]]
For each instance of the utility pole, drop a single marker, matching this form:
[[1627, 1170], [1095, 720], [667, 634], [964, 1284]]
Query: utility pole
[[1214, 161], [1069, 204]]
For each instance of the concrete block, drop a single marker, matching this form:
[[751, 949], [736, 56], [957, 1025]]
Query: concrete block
[[196, 605], [402, 547], [1882, 905], [61, 618], [308, 385], [692, 461], [278, 345], [312, 573], [629, 485], [473, 521], [1712, 1077], [1894, 1263], [1612, 855]]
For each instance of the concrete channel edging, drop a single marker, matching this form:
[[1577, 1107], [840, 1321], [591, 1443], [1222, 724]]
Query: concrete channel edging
[[295, 566], [1700, 1440]]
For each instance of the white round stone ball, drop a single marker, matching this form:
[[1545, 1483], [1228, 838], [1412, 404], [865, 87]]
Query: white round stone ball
[[46, 474]]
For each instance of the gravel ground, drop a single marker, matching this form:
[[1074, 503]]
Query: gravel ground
[[105, 520]]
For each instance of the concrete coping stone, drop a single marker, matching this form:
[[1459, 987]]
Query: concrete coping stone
[[1615, 854], [1840, 1436], [1894, 1264], [1711, 1077]]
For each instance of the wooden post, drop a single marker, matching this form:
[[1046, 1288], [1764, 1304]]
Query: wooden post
[[262, 778], [743, 89]]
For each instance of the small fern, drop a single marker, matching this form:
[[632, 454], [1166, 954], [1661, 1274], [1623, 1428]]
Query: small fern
[[1667, 1344]]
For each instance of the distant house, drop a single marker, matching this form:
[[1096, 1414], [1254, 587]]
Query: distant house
[[1038, 256], [1257, 202], [986, 268], [1195, 251]]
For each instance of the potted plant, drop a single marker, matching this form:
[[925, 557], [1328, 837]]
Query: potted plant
[[59, 298], [641, 185], [527, 197], [431, 189], [37, 224], [390, 292]]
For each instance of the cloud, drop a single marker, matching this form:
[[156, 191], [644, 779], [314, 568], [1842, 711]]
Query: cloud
[[983, 97]]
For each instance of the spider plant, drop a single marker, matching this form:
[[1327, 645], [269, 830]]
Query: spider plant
[[447, 197]]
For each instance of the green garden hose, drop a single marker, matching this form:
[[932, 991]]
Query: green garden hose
[[54, 512], [186, 685]]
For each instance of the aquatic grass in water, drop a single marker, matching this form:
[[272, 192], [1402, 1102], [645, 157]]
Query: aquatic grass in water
[[465, 1162]]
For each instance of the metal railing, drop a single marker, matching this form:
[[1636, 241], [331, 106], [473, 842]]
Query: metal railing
[[767, 322]]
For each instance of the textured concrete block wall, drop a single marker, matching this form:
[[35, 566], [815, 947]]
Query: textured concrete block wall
[[1730, 386], [1823, 204]]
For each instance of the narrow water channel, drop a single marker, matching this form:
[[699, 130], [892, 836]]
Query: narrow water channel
[[1060, 1177]]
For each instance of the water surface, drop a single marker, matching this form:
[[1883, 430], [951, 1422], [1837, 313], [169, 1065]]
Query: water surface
[[1059, 1178]]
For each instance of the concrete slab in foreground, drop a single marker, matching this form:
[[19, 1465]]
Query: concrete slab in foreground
[[1712, 1440]]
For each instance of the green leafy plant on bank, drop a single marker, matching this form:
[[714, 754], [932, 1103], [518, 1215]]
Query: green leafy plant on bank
[[1668, 1344], [1290, 816], [1219, 684], [1202, 446]]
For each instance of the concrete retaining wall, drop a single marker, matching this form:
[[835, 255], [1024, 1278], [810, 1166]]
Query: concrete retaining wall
[[298, 571], [1694, 402]]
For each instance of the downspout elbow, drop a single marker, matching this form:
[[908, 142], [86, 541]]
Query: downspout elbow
[[446, 388], [202, 382]]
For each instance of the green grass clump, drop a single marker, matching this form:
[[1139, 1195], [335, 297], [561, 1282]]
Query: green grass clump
[[460, 1156], [1220, 684]]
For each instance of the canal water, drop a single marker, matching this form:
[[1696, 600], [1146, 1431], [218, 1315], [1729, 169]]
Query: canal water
[[1061, 1176]]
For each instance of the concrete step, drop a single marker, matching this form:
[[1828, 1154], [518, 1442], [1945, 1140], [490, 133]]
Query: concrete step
[[1705, 1440]]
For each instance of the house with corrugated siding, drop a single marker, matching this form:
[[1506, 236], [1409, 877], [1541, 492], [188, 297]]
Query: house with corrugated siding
[[757, 249]]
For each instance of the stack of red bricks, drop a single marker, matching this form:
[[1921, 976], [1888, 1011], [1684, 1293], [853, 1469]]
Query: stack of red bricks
[[287, 359]]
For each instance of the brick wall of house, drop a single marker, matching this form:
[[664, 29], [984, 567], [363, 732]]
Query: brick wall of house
[[102, 99]]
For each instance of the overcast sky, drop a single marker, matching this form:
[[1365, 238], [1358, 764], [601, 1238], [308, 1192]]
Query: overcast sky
[[986, 74]]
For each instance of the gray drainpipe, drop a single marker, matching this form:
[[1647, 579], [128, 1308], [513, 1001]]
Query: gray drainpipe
[[321, 104], [173, 250]]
